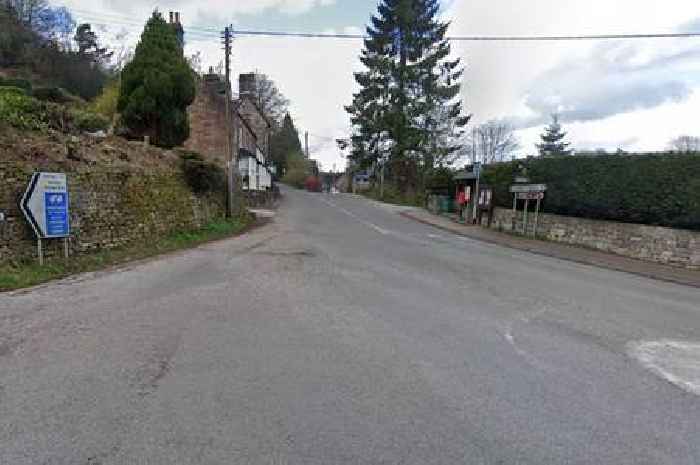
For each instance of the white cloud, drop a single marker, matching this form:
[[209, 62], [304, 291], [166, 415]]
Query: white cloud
[[622, 88]]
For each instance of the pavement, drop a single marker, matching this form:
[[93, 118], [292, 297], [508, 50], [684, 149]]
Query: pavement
[[345, 333], [587, 256]]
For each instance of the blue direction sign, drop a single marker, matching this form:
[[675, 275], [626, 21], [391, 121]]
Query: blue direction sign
[[45, 205]]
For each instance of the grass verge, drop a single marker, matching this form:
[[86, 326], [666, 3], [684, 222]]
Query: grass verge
[[29, 274]]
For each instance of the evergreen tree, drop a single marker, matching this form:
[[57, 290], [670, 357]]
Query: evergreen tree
[[157, 86], [553, 140], [407, 106], [284, 143]]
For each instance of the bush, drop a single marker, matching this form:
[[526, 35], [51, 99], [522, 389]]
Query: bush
[[89, 122], [659, 189], [201, 175], [106, 103], [24, 112], [53, 94], [297, 170], [11, 90], [20, 83], [19, 110], [440, 180], [393, 195]]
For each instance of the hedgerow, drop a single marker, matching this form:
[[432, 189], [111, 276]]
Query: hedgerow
[[654, 189]]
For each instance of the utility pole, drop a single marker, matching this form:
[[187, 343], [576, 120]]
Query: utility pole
[[230, 167], [306, 144]]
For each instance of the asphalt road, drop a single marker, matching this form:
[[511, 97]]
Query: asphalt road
[[343, 333]]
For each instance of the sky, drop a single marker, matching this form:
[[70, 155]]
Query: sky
[[634, 95]]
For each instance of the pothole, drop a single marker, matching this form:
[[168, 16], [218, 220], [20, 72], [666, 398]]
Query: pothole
[[678, 362]]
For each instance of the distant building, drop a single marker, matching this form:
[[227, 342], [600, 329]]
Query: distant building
[[208, 134]]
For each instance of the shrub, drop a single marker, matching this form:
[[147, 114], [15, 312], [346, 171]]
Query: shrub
[[106, 103], [53, 94], [11, 90], [28, 113], [297, 170], [21, 83], [202, 176], [20, 111], [393, 195], [89, 122], [440, 179], [658, 189]]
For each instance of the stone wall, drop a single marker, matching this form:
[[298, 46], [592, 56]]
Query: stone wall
[[676, 247], [113, 202]]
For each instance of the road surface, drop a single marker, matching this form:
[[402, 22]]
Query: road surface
[[344, 333]]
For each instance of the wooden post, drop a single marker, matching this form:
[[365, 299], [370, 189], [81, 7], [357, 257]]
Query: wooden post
[[65, 248], [537, 217], [515, 212], [230, 157], [40, 252], [527, 204]]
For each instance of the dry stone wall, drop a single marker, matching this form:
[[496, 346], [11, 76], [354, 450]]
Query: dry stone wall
[[111, 203], [677, 247]]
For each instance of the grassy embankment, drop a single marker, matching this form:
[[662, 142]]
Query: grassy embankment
[[28, 274]]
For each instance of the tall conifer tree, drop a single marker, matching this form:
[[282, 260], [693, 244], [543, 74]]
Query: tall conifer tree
[[407, 110], [157, 86]]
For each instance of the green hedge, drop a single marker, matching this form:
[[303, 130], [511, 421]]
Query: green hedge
[[658, 189]]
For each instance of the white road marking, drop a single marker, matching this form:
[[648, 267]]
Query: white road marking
[[354, 216], [678, 362]]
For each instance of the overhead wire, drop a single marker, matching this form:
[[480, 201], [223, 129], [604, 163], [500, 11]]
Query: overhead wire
[[207, 32]]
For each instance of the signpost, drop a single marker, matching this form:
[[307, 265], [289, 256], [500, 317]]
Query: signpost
[[45, 205], [477, 173], [528, 192]]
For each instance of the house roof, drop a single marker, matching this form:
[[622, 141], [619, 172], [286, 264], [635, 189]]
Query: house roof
[[238, 103]]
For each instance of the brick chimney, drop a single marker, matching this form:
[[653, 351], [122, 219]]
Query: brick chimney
[[179, 31]]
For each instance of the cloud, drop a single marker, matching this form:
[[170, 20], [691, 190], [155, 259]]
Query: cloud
[[227, 8], [691, 27], [614, 78]]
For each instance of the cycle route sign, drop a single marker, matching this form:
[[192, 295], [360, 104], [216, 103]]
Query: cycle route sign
[[45, 205]]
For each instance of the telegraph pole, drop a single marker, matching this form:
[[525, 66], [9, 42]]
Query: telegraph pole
[[230, 168]]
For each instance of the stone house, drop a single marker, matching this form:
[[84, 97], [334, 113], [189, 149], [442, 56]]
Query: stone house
[[249, 137], [248, 109]]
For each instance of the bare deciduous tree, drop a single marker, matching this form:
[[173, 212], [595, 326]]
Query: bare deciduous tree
[[270, 100], [491, 142], [686, 144]]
